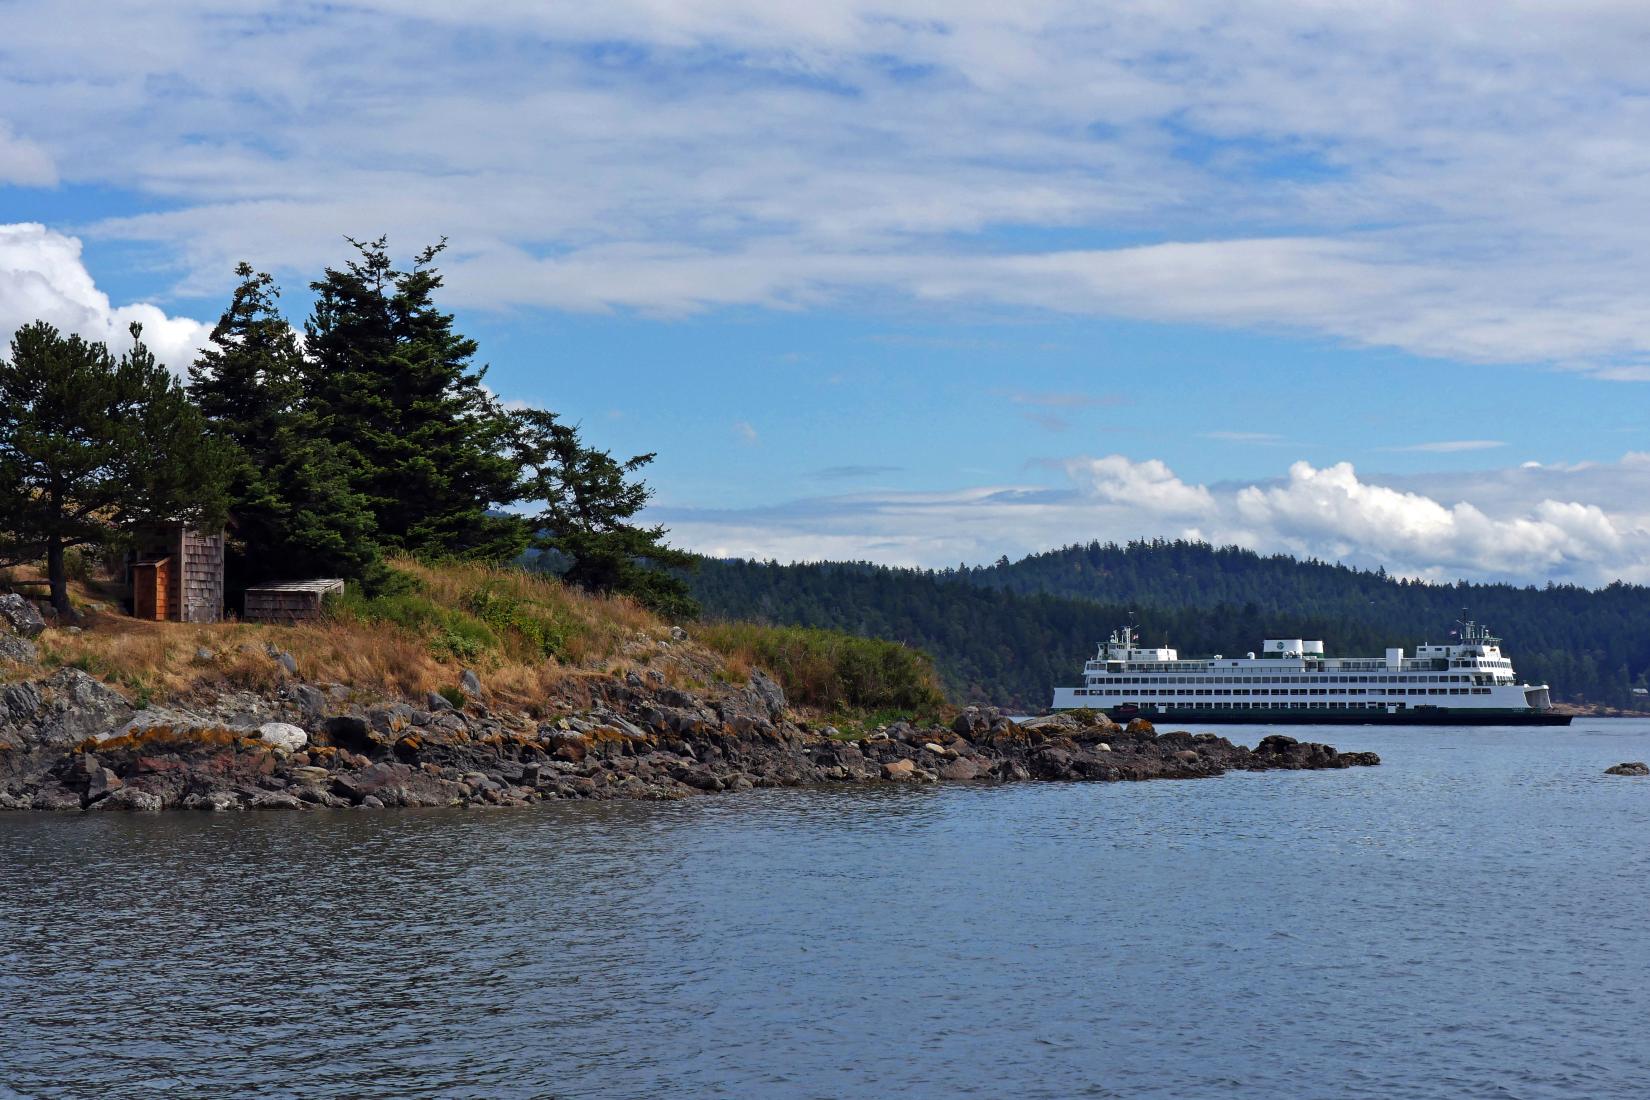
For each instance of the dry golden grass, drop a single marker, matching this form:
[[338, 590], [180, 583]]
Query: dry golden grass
[[525, 634], [531, 639]]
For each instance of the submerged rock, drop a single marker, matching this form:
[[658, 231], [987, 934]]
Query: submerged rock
[[1636, 767]]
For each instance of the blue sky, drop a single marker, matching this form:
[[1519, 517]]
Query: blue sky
[[926, 282]]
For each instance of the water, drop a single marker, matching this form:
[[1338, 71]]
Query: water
[[1469, 919]]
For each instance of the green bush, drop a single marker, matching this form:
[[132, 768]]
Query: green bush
[[830, 670]]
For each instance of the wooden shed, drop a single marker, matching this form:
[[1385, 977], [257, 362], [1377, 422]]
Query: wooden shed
[[289, 602], [177, 574]]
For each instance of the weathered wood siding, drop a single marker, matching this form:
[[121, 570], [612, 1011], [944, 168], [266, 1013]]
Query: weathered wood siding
[[191, 587], [289, 603], [200, 580]]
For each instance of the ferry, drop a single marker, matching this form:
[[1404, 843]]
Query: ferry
[[1469, 681]]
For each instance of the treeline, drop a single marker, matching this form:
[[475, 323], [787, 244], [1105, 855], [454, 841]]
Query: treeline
[[1008, 632], [371, 435]]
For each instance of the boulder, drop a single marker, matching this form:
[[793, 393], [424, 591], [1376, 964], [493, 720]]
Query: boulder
[[288, 662], [20, 617], [899, 769], [283, 735], [68, 706], [469, 683], [18, 650], [1636, 767], [132, 799], [960, 771], [769, 691], [437, 702], [1053, 723]]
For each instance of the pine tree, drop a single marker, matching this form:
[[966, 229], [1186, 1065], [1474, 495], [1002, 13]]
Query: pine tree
[[589, 500], [91, 446], [394, 389], [292, 511]]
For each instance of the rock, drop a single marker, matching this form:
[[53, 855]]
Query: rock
[[960, 771], [203, 654], [677, 634], [288, 662], [277, 800], [310, 700], [1053, 723], [771, 694], [18, 650], [310, 774], [1636, 767], [68, 706], [899, 769], [283, 735], [20, 616], [131, 799], [469, 683], [103, 782], [437, 702]]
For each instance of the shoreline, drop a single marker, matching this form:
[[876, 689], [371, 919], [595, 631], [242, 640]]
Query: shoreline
[[70, 743]]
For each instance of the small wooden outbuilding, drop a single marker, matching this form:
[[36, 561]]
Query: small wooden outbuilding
[[289, 602], [176, 574]]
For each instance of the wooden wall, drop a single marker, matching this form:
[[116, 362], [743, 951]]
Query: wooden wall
[[200, 581]]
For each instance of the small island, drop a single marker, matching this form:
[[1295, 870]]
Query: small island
[[336, 572]]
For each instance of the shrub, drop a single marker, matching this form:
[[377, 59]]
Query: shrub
[[830, 670]]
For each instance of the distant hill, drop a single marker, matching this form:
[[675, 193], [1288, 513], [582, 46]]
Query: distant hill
[[1006, 633]]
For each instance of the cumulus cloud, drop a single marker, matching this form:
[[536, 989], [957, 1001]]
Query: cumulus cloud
[[42, 277], [1594, 528], [1149, 486], [1381, 174]]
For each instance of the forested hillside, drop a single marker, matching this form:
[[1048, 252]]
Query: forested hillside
[[1007, 633]]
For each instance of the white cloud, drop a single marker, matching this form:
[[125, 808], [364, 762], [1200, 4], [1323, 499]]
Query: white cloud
[[1418, 174], [23, 161], [1149, 486], [1449, 446], [746, 431], [42, 277], [1593, 526]]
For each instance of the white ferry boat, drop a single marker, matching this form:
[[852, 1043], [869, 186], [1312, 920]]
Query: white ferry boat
[[1467, 682]]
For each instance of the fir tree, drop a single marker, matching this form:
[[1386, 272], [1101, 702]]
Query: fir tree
[[91, 446], [292, 511], [590, 499], [393, 386]]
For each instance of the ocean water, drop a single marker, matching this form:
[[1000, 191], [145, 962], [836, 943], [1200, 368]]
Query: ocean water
[[1470, 919]]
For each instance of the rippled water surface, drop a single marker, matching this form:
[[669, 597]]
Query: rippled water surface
[[1470, 919]]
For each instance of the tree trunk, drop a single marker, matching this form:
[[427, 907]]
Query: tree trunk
[[57, 573]]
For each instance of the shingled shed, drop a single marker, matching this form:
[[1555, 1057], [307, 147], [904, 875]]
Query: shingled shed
[[291, 602], [176, 574]]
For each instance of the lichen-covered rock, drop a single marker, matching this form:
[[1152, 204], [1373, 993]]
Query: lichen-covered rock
[[17, 651], [20, 617], [283, 735]]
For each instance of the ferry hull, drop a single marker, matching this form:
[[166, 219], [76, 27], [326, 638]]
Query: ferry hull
[[1425, 717]]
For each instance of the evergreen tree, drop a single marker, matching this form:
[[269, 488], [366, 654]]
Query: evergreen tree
[[589, 500], [392, 385], [292, 512], [91, 445]]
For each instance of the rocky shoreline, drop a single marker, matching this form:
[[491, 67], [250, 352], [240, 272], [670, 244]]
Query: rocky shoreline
[[69, 742]]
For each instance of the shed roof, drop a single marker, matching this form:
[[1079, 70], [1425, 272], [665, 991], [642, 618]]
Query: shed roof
[[320, 587]]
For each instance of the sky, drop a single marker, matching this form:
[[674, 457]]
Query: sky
[[928, 283]]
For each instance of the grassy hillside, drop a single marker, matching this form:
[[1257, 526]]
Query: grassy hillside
[[525, 634]]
